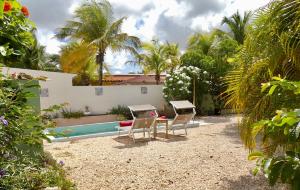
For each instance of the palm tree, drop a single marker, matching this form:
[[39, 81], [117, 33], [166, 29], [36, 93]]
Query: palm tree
[[154, 58], [204, 42], [78, 58], [173, 55], [237, 25], [94, 25], [270, 49], [34, 57]]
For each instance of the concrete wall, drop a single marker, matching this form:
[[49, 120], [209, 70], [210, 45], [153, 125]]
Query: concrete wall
[[60, 90]]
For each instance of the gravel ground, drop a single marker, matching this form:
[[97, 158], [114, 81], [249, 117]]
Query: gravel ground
[[210, 157]]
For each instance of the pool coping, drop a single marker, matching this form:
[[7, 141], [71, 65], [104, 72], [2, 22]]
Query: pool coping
[[192, 124]]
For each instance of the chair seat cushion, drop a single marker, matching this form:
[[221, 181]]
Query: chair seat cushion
[[163, 117], [125, 123]]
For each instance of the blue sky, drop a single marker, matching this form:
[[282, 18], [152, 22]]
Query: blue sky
[[168, 20]]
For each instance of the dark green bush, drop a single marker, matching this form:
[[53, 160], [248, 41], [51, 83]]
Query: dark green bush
[[72, 114], [122, 111]]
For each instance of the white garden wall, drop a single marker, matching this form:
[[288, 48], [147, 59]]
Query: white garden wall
[[59, 89]]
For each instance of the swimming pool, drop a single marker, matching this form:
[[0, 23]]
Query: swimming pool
[[83, 131], [90, 130]]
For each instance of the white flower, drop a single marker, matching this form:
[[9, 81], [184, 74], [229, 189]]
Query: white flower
[[180, 82], [205, 72], [170, 79]]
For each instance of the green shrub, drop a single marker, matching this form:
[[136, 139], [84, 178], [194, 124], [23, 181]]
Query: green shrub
[[280, 155], [71, 114], [123, 112], [22, 159]]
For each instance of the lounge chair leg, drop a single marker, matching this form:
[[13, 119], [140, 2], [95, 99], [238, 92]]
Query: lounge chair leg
[[144, 132], [133, 139], [173, 131], [185, 130], [149, 134]]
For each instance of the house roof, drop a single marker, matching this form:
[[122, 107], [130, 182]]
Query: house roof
[[133, 79]]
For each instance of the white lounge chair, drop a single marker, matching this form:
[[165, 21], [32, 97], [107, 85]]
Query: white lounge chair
[[144, 117], [185, 112]]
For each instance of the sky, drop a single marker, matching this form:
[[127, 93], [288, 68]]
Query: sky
[[168, 20]]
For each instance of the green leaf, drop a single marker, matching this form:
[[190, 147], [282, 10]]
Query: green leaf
[[264, 86], [257, 127], [287, 172], [277, 78], [255, 155], [275, 172], [272, 89], [255, 170]]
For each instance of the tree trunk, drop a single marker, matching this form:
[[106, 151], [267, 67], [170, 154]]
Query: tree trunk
[[100, 61], [157, 78]]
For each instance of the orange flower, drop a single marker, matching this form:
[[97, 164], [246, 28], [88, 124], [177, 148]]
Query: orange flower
[[25, 11], [7, 6]]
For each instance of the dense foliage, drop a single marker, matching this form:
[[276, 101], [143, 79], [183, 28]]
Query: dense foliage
[[270, 49], [280, 136], [23, 163], [210, 52]]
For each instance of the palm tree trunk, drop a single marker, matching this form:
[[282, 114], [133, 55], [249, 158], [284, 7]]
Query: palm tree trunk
[[99, 61], [157, 78]]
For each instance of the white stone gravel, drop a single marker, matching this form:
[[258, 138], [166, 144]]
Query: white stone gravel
[[210, 157]]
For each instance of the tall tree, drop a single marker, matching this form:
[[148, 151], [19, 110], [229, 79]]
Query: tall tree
[[173, 55], [78, 58], [237, 25], [94, 25], [154, 58]]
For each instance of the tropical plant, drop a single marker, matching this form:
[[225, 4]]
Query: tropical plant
[[22, 159], [34, 57], [158, 57], [280, 135], [238, 25], [78, 58], [210, 52], [173, 55], [15, 32], [268, 51], [93, 26]]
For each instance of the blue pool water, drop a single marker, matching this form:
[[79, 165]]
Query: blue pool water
[[87, 129]]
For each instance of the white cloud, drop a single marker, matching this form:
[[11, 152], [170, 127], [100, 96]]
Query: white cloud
[[116, 60], [47, 39], [171, 20], [207, 22]]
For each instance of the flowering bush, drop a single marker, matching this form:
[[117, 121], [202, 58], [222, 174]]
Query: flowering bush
[[12, 7], [178, 84], [16, 31], [23, 163]]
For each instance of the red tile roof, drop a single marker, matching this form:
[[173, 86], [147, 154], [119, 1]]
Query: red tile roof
[[133, 79]]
